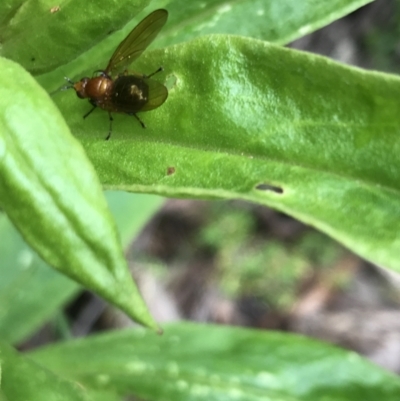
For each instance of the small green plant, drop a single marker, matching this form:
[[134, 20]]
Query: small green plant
[[269, 271]]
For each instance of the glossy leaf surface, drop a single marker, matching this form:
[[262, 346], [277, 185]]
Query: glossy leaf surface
[[51, 193], [202, 362], [275, 21], [27, 283], [26, 286], [245, 119], [23, 380], [25, 25]]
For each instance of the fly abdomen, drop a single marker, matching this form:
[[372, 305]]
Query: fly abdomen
[[129, 93]]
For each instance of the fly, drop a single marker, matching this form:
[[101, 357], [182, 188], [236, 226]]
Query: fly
[[128, 93]]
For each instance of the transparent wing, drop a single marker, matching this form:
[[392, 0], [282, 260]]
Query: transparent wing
[[157, 95], [137, 41]]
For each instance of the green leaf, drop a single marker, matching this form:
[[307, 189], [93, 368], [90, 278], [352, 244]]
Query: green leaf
[[26, 286], [24, 380], [27, 283], [196, 362], [131, 212], [244, 119], [25, 24], [275, 21], [51, 193]]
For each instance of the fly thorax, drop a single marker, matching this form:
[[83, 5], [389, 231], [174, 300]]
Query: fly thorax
[[98, 87]]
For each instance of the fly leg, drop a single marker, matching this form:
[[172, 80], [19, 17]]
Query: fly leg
[[154, 73], [110, 129], [90, 111], [137, 118], [126, 72]]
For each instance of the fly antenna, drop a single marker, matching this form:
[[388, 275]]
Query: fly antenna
[[64, 88], [71, 84]]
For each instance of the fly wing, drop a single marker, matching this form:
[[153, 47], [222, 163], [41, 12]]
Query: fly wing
[[137, 41], [157, 95]]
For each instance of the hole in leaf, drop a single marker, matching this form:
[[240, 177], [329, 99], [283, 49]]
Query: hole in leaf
[[269, 187], [171, 81]]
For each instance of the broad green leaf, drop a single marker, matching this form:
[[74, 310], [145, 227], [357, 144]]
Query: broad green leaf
[[274, 21], [24, 380], [27, 283], [43, 35], [244, 119], [203, 362], [30, 292], [51, 193], [21, 379]]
